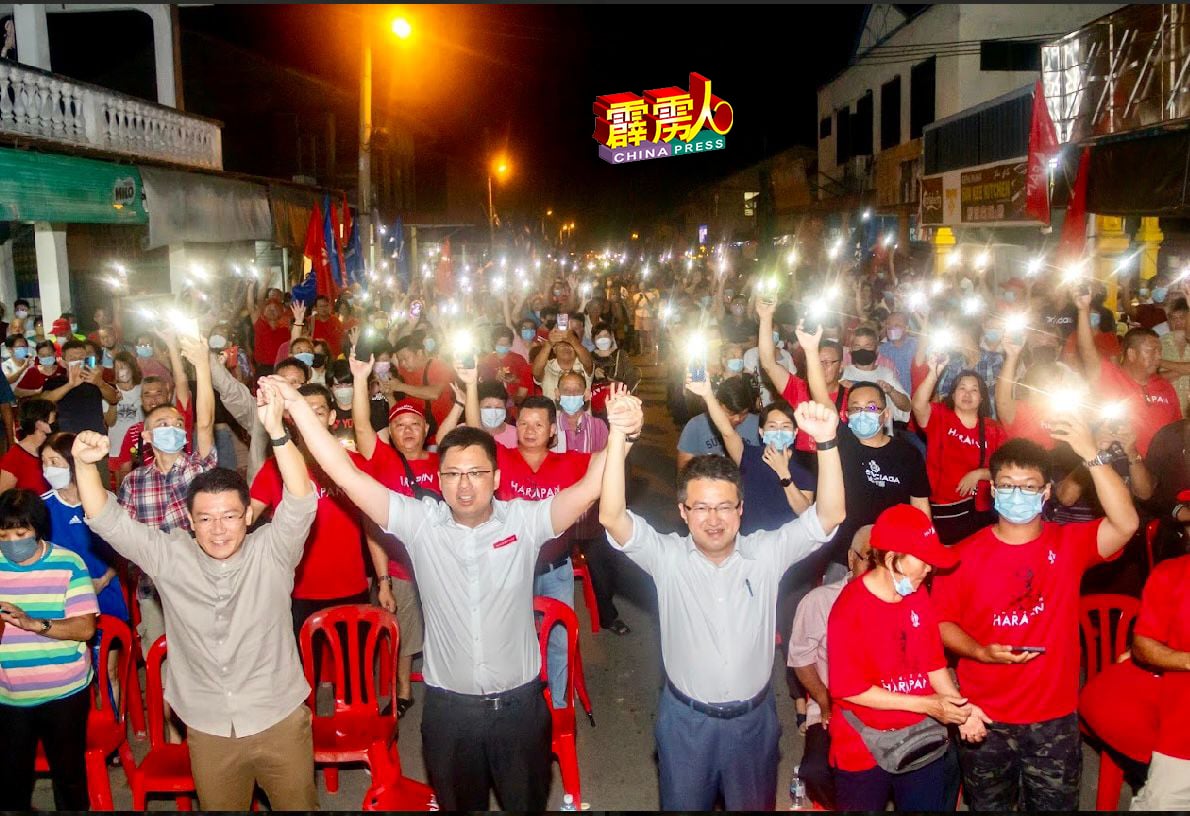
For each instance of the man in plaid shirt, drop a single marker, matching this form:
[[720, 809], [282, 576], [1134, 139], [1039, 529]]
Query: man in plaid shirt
[[156, 493]]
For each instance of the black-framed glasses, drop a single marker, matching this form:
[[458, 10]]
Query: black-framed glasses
[[452, 476], [706, 509]]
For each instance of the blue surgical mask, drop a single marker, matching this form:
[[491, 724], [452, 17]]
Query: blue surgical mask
[[502, 349], [169, 439], [492, 417], [1096, 319], [735, 364], [306, 357], [864, 424], [992, 336], [1018, 508], [47, 361], [429, 344], [780, 438], [572, 404], [1009, 296], [1159, 294], [107, 360], [144, 351], [903, 586], [22, 549], [21, 352], [528, 334]]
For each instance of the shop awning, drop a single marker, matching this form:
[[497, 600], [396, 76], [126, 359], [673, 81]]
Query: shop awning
[[68, 189], [204, 209], [1144, 175]]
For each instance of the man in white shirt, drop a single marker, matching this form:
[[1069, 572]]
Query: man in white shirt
[[485, 722], [717, 729], [864, 368]]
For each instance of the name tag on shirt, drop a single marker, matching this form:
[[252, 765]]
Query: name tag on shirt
[[504, 542]]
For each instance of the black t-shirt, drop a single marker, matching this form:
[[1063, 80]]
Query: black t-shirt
[[874, 480], [1064, 321], [81, 409], [765, 504], [1166, 459]]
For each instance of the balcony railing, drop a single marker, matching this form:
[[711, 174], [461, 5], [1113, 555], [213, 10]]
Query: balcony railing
[[55, 108]]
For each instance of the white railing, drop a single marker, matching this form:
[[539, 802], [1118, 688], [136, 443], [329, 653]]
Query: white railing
[[55, 108]]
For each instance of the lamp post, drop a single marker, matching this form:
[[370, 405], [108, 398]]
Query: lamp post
[[500, 168], [401, 30]]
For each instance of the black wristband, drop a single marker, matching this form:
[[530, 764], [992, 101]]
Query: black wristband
[[827, 445], [280, 441], [632, 438]]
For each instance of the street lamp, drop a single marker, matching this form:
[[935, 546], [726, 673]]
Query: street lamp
[[401, 29], [500, 168]]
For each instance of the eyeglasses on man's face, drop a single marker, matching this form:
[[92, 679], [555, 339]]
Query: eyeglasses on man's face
[[225, 519], [1006, 490], [453, 476], [706, 509]]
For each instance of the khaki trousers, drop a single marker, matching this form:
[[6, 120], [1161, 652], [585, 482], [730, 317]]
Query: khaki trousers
[[280, 759]]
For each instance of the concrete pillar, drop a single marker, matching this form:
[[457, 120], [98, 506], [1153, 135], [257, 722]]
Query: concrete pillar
[[178, 268], [163, 53], [8, 278], [33, 35], [1111, 243], [53, 270], [1149, 236], [944, 244]]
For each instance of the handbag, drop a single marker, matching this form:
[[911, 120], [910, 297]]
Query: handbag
[[902, 750]]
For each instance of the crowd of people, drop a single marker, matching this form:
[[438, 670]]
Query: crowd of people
[[901, 481]]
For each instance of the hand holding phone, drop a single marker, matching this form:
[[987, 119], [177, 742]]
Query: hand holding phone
[[563, 321], [1028, 649], [698, 371]]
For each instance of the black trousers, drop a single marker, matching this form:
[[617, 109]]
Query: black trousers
[[470, 747], [815, 768], [601, 562], [61, 727]]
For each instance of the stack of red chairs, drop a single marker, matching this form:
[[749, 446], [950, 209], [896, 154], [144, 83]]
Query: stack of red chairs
[[356, 725], [583, 573], [562, 740], [106, 728], [136, 704], [166, 768]]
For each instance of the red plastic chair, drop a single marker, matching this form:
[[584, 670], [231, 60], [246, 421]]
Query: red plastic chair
[[392, 791], [136, 703], [582, 573], [166, 768], [348, 733], [1101, 648], [562, 739], [106, 728]]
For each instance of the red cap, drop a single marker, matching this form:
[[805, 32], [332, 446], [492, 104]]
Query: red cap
[[61, 328], [903, 528], [406, 407], [1184, 496]]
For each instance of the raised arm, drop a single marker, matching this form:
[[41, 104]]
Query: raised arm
[[294, 474], [1087, 352], [925, 392], [196, 351], [541, 358], [732, 442], [253, 305], [365, 492], [1006, 382], [613, 501], [181, 381], [821, 422], [361, 404], [766, 350], [815, 378], [299, 320]]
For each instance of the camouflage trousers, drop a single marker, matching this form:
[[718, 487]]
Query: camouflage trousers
[[1032, 767]]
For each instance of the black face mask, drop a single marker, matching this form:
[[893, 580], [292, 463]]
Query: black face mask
[[863, 357], [319, 360]]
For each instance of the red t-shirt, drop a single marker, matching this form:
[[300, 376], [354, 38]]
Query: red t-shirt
[[558, 471], [871, 642], [267, 340], [1165, 617], [1151, 406], [330, 330], [132, 439], [493, 368], [1106, 343], [333, 565], [34, 380], [1026, 424], [385, 467], [26, 467], [435, 372], [797, 391], [1021, 595], [952, 451]]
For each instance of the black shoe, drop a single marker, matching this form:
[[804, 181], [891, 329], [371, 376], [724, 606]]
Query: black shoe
[[403, 705], [618, 626]]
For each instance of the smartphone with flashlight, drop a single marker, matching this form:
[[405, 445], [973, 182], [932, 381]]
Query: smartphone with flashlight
[[1028, 649], [415, 308], [563, 321], [698, 371], [91, 361]]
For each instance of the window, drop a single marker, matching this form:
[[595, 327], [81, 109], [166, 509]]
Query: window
[[890, 114], [842, 136], [1009, 55], [750, 202], [824, 127], [921, 96], [861, 126]]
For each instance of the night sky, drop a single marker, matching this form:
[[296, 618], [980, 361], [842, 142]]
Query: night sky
[[483, 77]]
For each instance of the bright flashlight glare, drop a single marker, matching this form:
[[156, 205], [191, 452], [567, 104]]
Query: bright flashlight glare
[[972, 305], [198, 272], [981, 260], [832, 293], [1034, 266], [942, 339], [667, 311], [818, 308], [917, 300], [586, 288], [184, 325], [954, 258], [888, 239], [936, 287], [462, 342], [644, 272], [1113, 410], [1072, 272], [1016, 323], [696, 346], [791, 258], [866, 215], [833, 252], [147, 313], [1065, 398]]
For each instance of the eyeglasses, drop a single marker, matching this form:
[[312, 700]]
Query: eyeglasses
[[706, 509], [228, 519], [452, 476], [1004, 491], [871, 408]]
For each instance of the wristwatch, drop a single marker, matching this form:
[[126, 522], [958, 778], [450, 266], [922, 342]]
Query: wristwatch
[[46, 624], [1102, 458], [280, 441], [827, 445], [786, 482]]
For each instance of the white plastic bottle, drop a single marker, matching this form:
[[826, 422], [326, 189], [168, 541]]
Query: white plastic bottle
[[797, 793], [568, 803]]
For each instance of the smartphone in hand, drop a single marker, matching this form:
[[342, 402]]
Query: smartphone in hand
[[698, 371], [1028, 649], [563, 321]]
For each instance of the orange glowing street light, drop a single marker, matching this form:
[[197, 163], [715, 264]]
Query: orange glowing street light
[[402, 28]]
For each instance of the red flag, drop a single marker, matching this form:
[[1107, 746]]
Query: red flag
[[444, 276], [316, 251], [1074, 229], [1043, 143]]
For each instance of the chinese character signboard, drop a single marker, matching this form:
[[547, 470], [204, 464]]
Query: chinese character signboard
[[661, 123], [931, 200], [994, 194]]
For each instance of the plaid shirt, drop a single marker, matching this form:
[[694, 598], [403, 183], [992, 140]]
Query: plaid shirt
[[988, 367], [159, 499]]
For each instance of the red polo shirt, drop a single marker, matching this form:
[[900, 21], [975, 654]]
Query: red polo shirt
[[267, 340], [330, 330], [1150, 407], [26, 467], [386, 467], [952, 451], [1165, 617]]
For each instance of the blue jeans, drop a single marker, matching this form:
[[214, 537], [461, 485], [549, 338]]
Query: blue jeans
[[225, 444], [699, 756], [559, 585], [928, 788]]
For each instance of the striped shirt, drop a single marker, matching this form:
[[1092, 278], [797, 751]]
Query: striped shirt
[[35, 669]]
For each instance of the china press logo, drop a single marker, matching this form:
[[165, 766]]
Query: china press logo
[[664, 122]]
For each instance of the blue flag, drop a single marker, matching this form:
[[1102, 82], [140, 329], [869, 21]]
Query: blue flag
[[332, 243], [307, 290], [353, 257]]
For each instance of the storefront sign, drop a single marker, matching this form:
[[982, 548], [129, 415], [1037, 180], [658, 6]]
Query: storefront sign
[[68, 189], [931, 200], [994, 194]]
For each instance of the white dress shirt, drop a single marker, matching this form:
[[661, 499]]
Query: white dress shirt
[[476, 588], [718, 622]]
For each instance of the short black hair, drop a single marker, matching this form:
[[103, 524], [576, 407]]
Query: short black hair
[[218, 480], [1022, 453], [984, 398], [11, 340], [832, 344], [602, 326], [883, 398], [129, 360], [24, 509], [32, 412], [296, 363], [492, 390], [541, 403], [865, 331], [20, 302], [778, 405], [341, 373], [413, 342], [467, 437], [736, 395], [501, 331], [1177, 305], [1135, 337], [73, 344], [709, 466], [322, 297], [46, 344], [317, 389], [162, 407]]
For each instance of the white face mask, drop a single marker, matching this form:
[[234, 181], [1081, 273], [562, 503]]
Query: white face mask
[[58, 477], [492, 417], [603, 343], [343, 395]]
